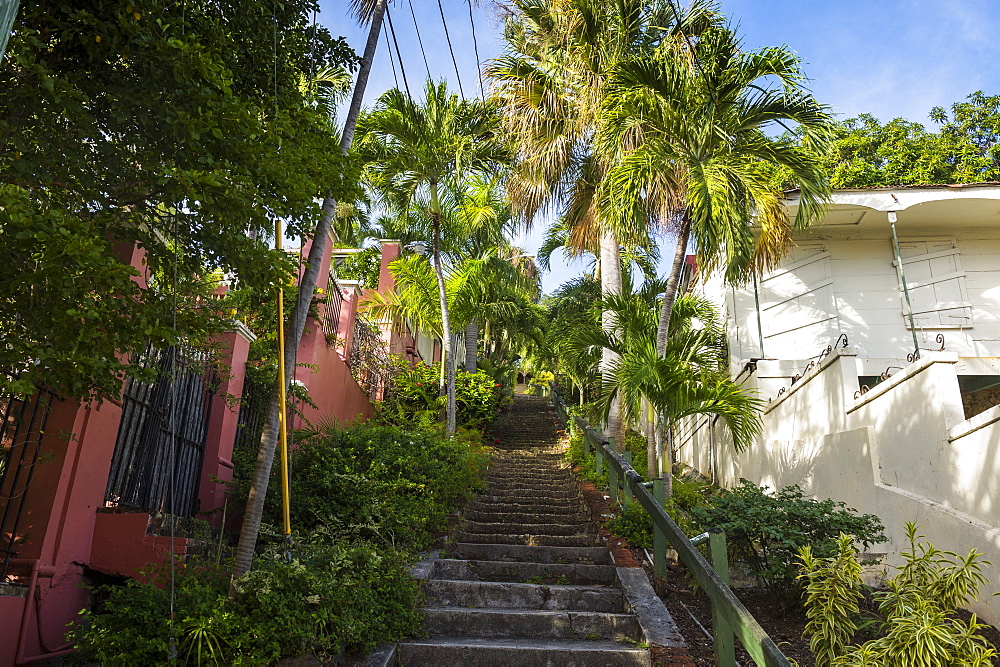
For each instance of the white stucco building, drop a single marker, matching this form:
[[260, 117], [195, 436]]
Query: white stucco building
[[864, 404]]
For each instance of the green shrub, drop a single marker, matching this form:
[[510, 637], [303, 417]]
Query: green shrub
[[919, 626], [632, 522], [332, 597], [381, 483], [415, 399], [766, 531]]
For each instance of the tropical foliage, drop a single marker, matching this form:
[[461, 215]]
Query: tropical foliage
[[128, 124], [965, 148], [367, 498], [413, 150], [415, 399], [766, 530], [918, 623]]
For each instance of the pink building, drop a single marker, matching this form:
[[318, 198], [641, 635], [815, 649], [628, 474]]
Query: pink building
[[85, 487]]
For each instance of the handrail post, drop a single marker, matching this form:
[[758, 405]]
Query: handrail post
[[626, 487], [659, 537], [598, 459], [725, 645], [612, 476]]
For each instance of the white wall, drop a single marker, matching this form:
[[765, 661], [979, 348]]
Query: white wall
[[903, 451], [863, 300]]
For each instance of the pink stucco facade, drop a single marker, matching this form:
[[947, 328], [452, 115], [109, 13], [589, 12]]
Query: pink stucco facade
[[66, 527]]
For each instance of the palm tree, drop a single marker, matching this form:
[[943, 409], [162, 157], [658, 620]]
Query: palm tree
[[551, 82], [487, 289], [367, 11], [690, 378], [694, 125], [415, 150]]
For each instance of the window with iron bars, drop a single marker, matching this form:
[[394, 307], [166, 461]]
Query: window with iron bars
[[161, 439]]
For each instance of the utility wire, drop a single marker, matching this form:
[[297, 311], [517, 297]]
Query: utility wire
[[172, 646], [419, 40], [451, 50], [399, 56], [475, 47], [388, 49]]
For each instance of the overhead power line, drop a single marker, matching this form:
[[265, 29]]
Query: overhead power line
[[419, 40], [451, 50], [475, 47], [399, 56], [388, 49]]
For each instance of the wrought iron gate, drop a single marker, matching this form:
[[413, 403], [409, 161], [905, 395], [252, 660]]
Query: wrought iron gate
[[161, 440], [22, 428]]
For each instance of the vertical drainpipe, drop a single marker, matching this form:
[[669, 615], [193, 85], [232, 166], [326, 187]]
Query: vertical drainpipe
[[760, 327], [902, 279]]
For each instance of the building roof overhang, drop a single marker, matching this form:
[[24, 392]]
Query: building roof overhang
[[918, 208]]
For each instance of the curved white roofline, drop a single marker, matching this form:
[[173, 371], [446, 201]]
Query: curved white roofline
[[888, 199]]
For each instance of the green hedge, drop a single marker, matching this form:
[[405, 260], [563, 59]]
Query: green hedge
[[364, 499]]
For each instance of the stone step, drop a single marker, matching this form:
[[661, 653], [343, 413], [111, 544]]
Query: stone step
[[565, 528], [529, 554], [529, 494], [535, 481], [526, 490], [559, 483], [574, 574], [487, 505], [498, 516], [502, 595], [530, 539], [528, 466], [473, 652], [530, 624]]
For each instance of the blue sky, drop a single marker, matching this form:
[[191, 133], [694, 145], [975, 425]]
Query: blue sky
[[885, 57]]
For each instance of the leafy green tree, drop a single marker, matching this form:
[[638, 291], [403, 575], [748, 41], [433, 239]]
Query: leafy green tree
[[573, 305], [414, 149], [964, 149], [867, 153], [139, 123]]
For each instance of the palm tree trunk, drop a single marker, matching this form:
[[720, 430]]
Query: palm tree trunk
[[611, 283], [269, 435], [446, 341], [670, 295], [471, 345], [660, 439]]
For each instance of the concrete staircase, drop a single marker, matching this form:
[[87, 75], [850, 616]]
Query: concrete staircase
[[524, 582]]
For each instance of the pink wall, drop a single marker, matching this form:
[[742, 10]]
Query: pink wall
[[64, 528], [59, 525], [217, 464], [329, 381]]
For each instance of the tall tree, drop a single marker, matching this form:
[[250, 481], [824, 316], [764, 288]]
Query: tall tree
[[371, 12], [552, 81], [964, 149], [150, 125], [690, 377], [692, 123], [414, 150]]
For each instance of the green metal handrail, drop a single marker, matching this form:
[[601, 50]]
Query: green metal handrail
[[729, 616]]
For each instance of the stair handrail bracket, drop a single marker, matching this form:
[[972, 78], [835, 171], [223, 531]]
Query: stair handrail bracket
[[729, 613]]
